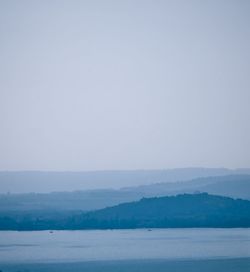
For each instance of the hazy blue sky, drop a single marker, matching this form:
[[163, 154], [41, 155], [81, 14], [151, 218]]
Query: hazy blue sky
[[88, 85]]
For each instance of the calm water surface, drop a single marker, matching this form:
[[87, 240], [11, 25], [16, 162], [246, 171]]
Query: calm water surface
[[74, 246]]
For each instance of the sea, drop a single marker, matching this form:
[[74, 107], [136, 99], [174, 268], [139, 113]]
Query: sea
[[126, 250]]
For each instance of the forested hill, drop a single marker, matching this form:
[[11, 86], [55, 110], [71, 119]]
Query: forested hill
[[186, 210]]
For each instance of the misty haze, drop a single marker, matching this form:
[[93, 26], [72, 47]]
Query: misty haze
[[124, 135]]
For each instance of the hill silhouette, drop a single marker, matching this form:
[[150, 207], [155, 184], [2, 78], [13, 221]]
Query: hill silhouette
[[181, 211], [235, 186]]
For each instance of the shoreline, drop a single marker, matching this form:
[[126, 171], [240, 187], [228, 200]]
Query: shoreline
[[121, 229], [145, 265]]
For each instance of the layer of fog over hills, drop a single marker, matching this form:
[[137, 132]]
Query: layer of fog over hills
[[185, 210], [46, 182], [236, 186]]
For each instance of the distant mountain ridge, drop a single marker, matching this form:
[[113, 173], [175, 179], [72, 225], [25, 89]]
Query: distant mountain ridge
[[181, 211], [46, 182], [235, 186]]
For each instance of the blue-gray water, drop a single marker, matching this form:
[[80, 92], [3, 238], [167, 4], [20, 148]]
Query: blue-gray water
[[80, 246]]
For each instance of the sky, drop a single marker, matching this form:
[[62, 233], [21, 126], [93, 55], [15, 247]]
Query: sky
[[135, 84]]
